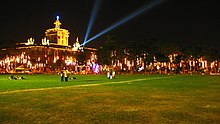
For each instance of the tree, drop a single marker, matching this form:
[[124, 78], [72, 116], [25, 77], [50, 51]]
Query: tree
[[58, 64], [104, 52], [104, 56], [81, 58]]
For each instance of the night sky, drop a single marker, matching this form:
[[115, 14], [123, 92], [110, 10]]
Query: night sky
[[177, 21]]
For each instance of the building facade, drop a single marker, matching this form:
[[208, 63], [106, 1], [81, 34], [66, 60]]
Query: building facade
[[57, 35], [50, 56]]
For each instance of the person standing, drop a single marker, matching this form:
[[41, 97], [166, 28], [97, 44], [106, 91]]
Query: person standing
[[66, 75], [61, 76], [113, 74], [109, 74]]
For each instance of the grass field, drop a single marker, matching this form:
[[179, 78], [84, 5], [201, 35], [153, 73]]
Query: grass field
[[192, 99]]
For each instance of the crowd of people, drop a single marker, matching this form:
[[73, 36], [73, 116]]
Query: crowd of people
[[64, 75]]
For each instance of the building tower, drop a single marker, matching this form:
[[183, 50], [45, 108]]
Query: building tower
[[57, 35]]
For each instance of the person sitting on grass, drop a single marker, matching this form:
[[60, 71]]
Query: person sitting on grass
[[19, 78], [12, 77]]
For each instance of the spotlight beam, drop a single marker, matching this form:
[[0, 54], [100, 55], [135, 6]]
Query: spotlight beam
[[125, 19], [92, 18]]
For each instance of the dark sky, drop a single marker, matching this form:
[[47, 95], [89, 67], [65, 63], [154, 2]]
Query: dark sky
[[178, 21]]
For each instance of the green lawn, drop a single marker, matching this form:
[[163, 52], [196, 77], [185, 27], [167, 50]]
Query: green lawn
[[39, 98]]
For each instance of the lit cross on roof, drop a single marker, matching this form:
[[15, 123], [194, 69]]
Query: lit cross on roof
[[57, 23]]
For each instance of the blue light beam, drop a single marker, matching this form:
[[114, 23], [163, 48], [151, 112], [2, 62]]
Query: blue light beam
[[125, 19], [92, 18]]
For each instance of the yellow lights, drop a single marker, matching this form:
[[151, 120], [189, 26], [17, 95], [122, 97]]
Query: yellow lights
[[54, 46], [30, 41], [45, 41], [55, 59], [69, 60], [76, 45], [38, 59], [56, 35], [11, 62], [57, 24], [24, 61], [125, 60]]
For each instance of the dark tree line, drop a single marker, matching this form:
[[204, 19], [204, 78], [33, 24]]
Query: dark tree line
[[113, 50]]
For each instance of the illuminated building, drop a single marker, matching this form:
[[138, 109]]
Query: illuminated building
[[57, 35], [51, 55], [54, 53]]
